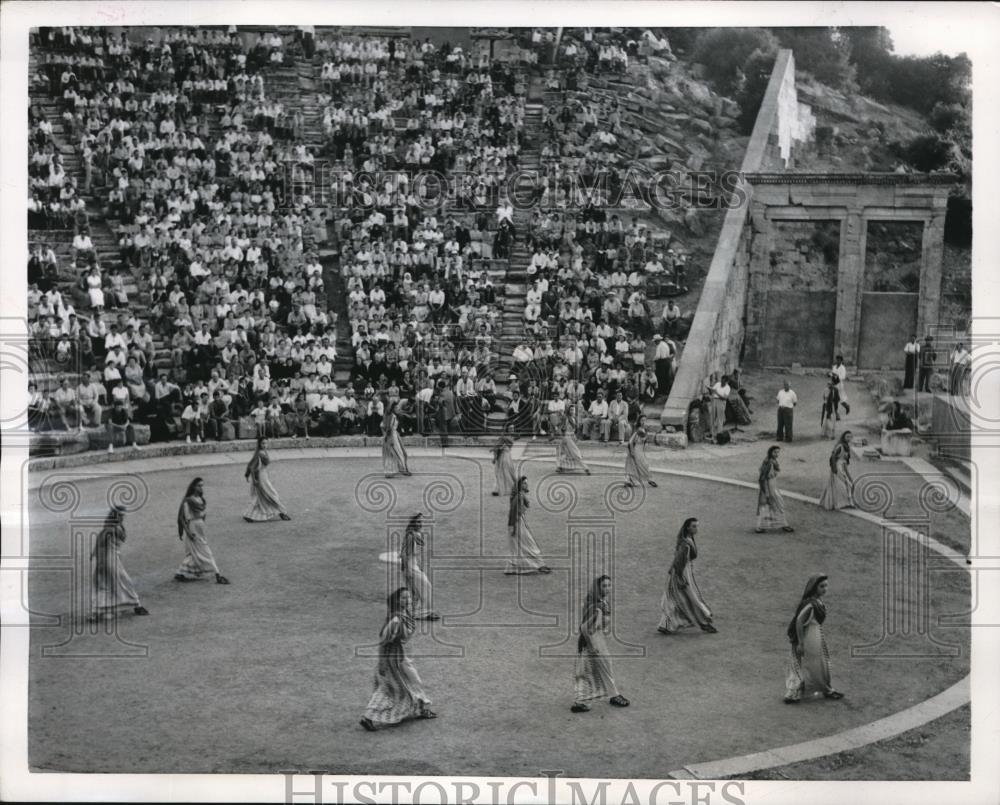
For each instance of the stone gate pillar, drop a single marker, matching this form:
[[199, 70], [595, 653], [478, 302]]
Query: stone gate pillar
[[930, 272], [850, 283]]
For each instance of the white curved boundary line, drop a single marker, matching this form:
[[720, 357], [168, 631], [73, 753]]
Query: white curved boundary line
[[889, 727]]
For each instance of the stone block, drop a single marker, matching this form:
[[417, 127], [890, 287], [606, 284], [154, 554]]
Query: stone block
[[98, 438], [58, 443], [897, 442], [673, 440]]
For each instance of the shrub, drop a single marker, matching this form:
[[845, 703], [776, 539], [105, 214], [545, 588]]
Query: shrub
[[927, 153], [724, 53], [823, 52], [757, 73]]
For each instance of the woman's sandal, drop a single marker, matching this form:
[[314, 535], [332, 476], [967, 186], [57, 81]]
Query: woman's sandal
[[368, 725], [653, 484], [579, 707], [709, 629], [833, 694], [792, 701], [787, 528], [179, 577], [427, 714], [545, 569], [141, 611], [619, 701], [285, 516], [220, 579], [758, 531], [663, 630]]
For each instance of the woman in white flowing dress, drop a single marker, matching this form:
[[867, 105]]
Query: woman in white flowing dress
[[809, 665], [637, 470], [416, 579], [113, 591], [770, 503], [682, 603], [394, 460], [265, 505], [525, 555], [593, 678], [568, 457], [837, 494], [503, 467], [398, 694], [198, 559]]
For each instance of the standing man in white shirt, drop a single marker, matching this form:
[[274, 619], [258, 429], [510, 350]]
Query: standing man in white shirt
[[786, 409], [841, 371], [663, 360]]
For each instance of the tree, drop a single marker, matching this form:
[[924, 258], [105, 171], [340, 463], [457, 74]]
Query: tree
[[757, 73], [870, 52], [724, 53], [823, 52]]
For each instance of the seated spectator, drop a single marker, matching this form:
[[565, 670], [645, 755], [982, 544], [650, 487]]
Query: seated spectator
[[120, 422]]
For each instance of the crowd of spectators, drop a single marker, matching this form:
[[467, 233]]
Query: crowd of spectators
[[187, 156]]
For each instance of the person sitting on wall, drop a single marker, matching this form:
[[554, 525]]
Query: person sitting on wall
[[898, 418]]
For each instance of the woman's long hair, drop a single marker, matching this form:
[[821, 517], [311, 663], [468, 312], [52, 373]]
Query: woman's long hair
[[516, 489], [844, 442], [393, 605], [503, 442], [808, 597], [192, 485], [685, 528], [387, 417], [255, 458], [181, 520], [590, 603], [109, 529], [765, 465]]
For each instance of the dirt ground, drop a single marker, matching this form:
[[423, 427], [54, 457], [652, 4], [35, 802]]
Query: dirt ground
[[273, 672], [942, 744]]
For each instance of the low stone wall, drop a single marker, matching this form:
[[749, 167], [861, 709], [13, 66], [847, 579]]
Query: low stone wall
[[168, 449]]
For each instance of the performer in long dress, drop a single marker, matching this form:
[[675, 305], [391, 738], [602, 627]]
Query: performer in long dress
[[265, 504], [770, 504], [399, 693], [682, 603], [593, 678], [416, 579], [198, 559], [525, 555], [568, 457], [637, 470], [837, 494], [113, 591], [809, 664], [393, 454], [503, 467]]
